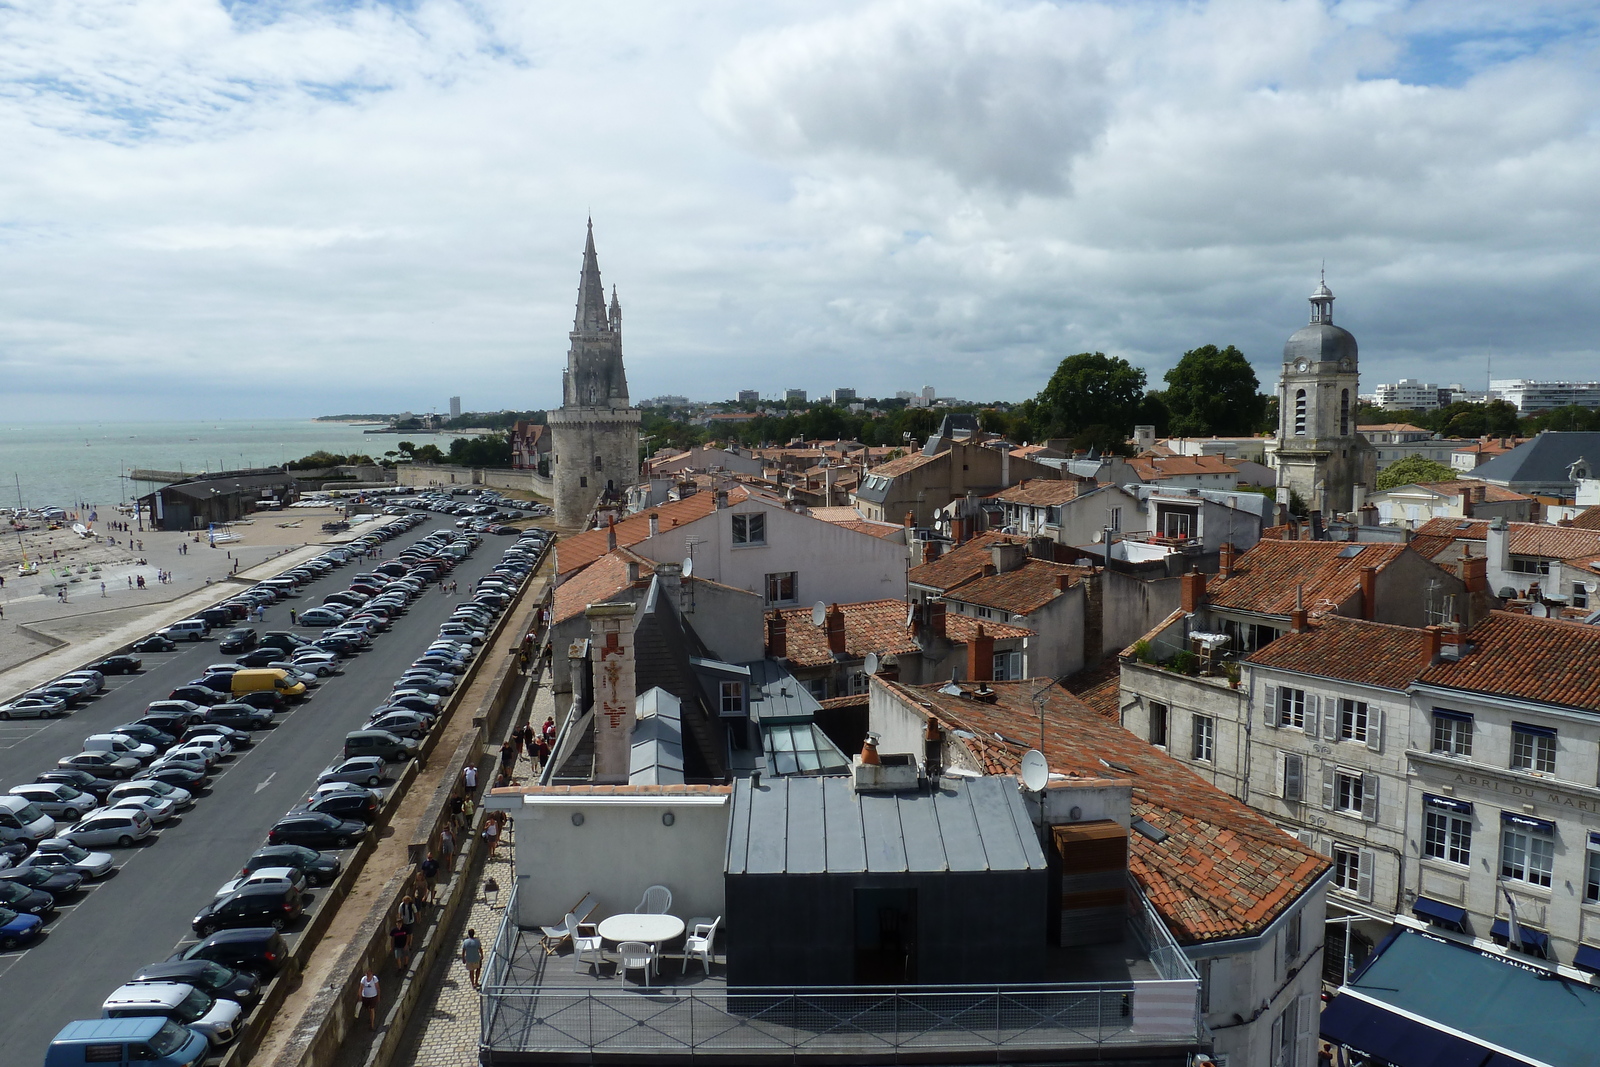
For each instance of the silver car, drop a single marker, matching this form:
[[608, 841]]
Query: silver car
[[110, 826], [359, 770], [182, 799], [56, 799], [101, 764], [160, 809], [33, 707], [59, 854]]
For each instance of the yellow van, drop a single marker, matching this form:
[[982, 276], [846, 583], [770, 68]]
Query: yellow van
[[254, 680]]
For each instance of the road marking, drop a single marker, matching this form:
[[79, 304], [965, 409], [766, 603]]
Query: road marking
[[266, 781]]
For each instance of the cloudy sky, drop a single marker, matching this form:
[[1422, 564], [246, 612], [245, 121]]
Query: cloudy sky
[[296, 207]]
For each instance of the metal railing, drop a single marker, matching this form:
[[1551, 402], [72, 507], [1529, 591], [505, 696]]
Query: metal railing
[[520, 1016]]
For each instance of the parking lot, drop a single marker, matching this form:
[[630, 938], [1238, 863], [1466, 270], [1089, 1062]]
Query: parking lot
[[141, 912]]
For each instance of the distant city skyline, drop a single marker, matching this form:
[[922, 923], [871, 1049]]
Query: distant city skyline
[[324, 207]]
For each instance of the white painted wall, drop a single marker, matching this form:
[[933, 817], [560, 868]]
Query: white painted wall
[[621, 849]]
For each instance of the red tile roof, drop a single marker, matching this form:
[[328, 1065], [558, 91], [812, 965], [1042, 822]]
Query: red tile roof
[[1351, 650], [1587, 519], [1158, 468], [1223, 871], [1547, 661], [875, 626], [1464, 529], [1265, 578], [1492, 494], [1041, 492], [1391, 427], [904, 465], [1523, 538], [578, 551], [962, 563], [597, 583], [1021, 591]]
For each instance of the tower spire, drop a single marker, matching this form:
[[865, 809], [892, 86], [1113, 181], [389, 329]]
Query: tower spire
[[591, 292]]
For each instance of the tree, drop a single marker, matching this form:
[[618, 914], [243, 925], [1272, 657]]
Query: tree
[[1091, 389], [1214, 392], [1413, 470]]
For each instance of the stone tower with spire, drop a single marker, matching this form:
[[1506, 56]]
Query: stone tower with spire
[[1318, 453], [594, 437]]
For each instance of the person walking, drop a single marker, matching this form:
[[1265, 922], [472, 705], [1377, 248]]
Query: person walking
[[447, 851], [469, 776], [400, 937], [369, 997], [429, 869], [491, 834], [292, 618], [508, 756], [472, 955]]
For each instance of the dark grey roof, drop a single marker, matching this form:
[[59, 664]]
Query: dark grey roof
[[1543, 460], [222, 485], [963, 423], [663, 644], [1320, 341], [821, 825], [656, 747], [777, 696]]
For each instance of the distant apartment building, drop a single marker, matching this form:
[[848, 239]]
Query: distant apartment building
[[749, 396], [794, 396], [668, 401], [455, 407], [1398, 440], [843, 396], [1531, 396]]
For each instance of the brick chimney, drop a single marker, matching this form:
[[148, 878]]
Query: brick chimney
[[777, 636], [1369, 592], [1064, 582], [932, 550], [1191, 591], [1475, 572], [1297, 620], [1225, 560], [936, 613], [911, 519], [1466, 503], [833, 626], [958, 530], [1432, 639], [980, 657]]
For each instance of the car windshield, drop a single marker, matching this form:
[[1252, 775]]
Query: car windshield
[[216, 975], [7, 916], [169, 1039], [194, 1006], [158, 788], [29, 813], [74, 853]]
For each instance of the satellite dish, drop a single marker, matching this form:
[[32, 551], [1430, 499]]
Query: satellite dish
[[819, 614], [872, 663], [688, 567], [1035, 771]]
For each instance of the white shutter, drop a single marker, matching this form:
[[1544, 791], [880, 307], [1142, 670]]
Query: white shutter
[[1330, 722], [1367, 859], [1276, 1046], [1312, 705], [1307, 1019], [1307, 838], [1269, 710], [1375, 728], [1220, 978], [1294, 776], [1327, 786], [1369, 797]]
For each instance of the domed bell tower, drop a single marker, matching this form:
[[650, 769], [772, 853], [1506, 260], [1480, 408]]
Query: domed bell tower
[[1318, 454]]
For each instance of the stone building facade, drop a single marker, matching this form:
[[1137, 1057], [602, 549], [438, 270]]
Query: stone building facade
[[595, 434]]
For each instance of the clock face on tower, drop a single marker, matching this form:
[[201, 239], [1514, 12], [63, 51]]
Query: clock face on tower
[[1301, 365], [1346, 365]]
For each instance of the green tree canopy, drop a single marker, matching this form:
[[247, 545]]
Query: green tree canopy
[[1414, 469], [1214, 391], [490, 450], [1091, 390]]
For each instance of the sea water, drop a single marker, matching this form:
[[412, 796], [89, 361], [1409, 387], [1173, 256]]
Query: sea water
[[73, 464]]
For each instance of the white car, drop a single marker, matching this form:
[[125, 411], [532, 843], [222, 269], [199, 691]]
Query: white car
[[56, 800], [208, 747], [289, 877], [159, 809], [59, 854], [111, 826], [181, 799]]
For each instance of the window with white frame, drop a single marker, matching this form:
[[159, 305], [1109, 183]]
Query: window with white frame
[[1591, 879], [1347, 869], [1114, 519], [1528, 565], [982, 612], [1533, 748], [732, 698], [1353, 721], [1527, 850], [1291, 707], [1446, 834], [1580, 595], [1158, 723], [782, 588], [1347, 794], [1203, 748], [750, 529], [1452, 733], [1008, 665], [858, 683]]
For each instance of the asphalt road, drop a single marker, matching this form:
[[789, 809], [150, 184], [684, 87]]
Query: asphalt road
[[139, 913]]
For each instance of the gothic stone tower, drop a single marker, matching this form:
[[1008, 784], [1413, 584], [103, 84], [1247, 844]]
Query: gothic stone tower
[[1318, 453], [594, 437]]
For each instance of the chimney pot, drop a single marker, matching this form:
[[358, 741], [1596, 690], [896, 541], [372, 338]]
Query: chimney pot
[[1191, 591], [1297, 621], [655, 524], [1225, 560], [1432, 639], [980, 656]]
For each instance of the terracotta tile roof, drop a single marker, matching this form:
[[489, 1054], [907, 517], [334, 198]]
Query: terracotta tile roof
[[1351, 650], [1021, 591], [1029, 451], [1547, 661], [578, 551], [870, 528], [835, 514], [1264, 579], [853, 700], [875, 626], [597, 583], [1428, 546], [1523, 538], [904, 465], [1587, 519], [1041, 492], [1223, 871], [1157, 468], [962, 563], [1491, 493], [1462, 529]]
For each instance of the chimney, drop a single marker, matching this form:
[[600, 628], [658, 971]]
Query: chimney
[[720, 499], [777, 636], [933, 750], [633, 571], [1466, 503], [1369, 592], [1497, 545], [1475, 573], [1005, 468], [833, 625], [980, 657], [932, 550], [1063, 582], [655, 524], [936, 613], [1007, 556], [958, 530], [911, 519], [869, 751], [611, 655], [1358, 497], [1191, 590], [1225, 560], [611, 535], [1297, 617], [1432, 638]]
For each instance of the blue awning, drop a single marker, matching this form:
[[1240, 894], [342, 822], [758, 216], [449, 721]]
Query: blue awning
[[1436, 909], [1528, 822], [1395, 1039], [1530, 728], [1502, 928], [1588, 958], [1460, 807], [1446, 713]]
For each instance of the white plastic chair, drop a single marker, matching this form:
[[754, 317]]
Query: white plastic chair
[[657, 901], [586, 939], [554, 936], [699, 944], [636, 955]]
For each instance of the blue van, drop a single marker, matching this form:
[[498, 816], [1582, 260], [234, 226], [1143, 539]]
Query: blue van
[[143, 1041]]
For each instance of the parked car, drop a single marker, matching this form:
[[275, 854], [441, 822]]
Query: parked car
[[122, 664], [362, 770], [80, 780], [56, 799], [103, 764], [315, 830], [181, 776], [196, 693], [122, 827], [357, 806], [70, 693], [282, 877], [181, 799], [145, 1041], [217, 979], [191, 711], [155, 643], [242, 639], [159, 809], [19, 898], [57, 883], [260, 657], [179, 1002], [257, 949], [402, 723], [239, 716], [270, 904], [319, 869], [265, 699], [320, 617], [33, 707], [59, 854], [235, 737], [17, 929], [146, 734]]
